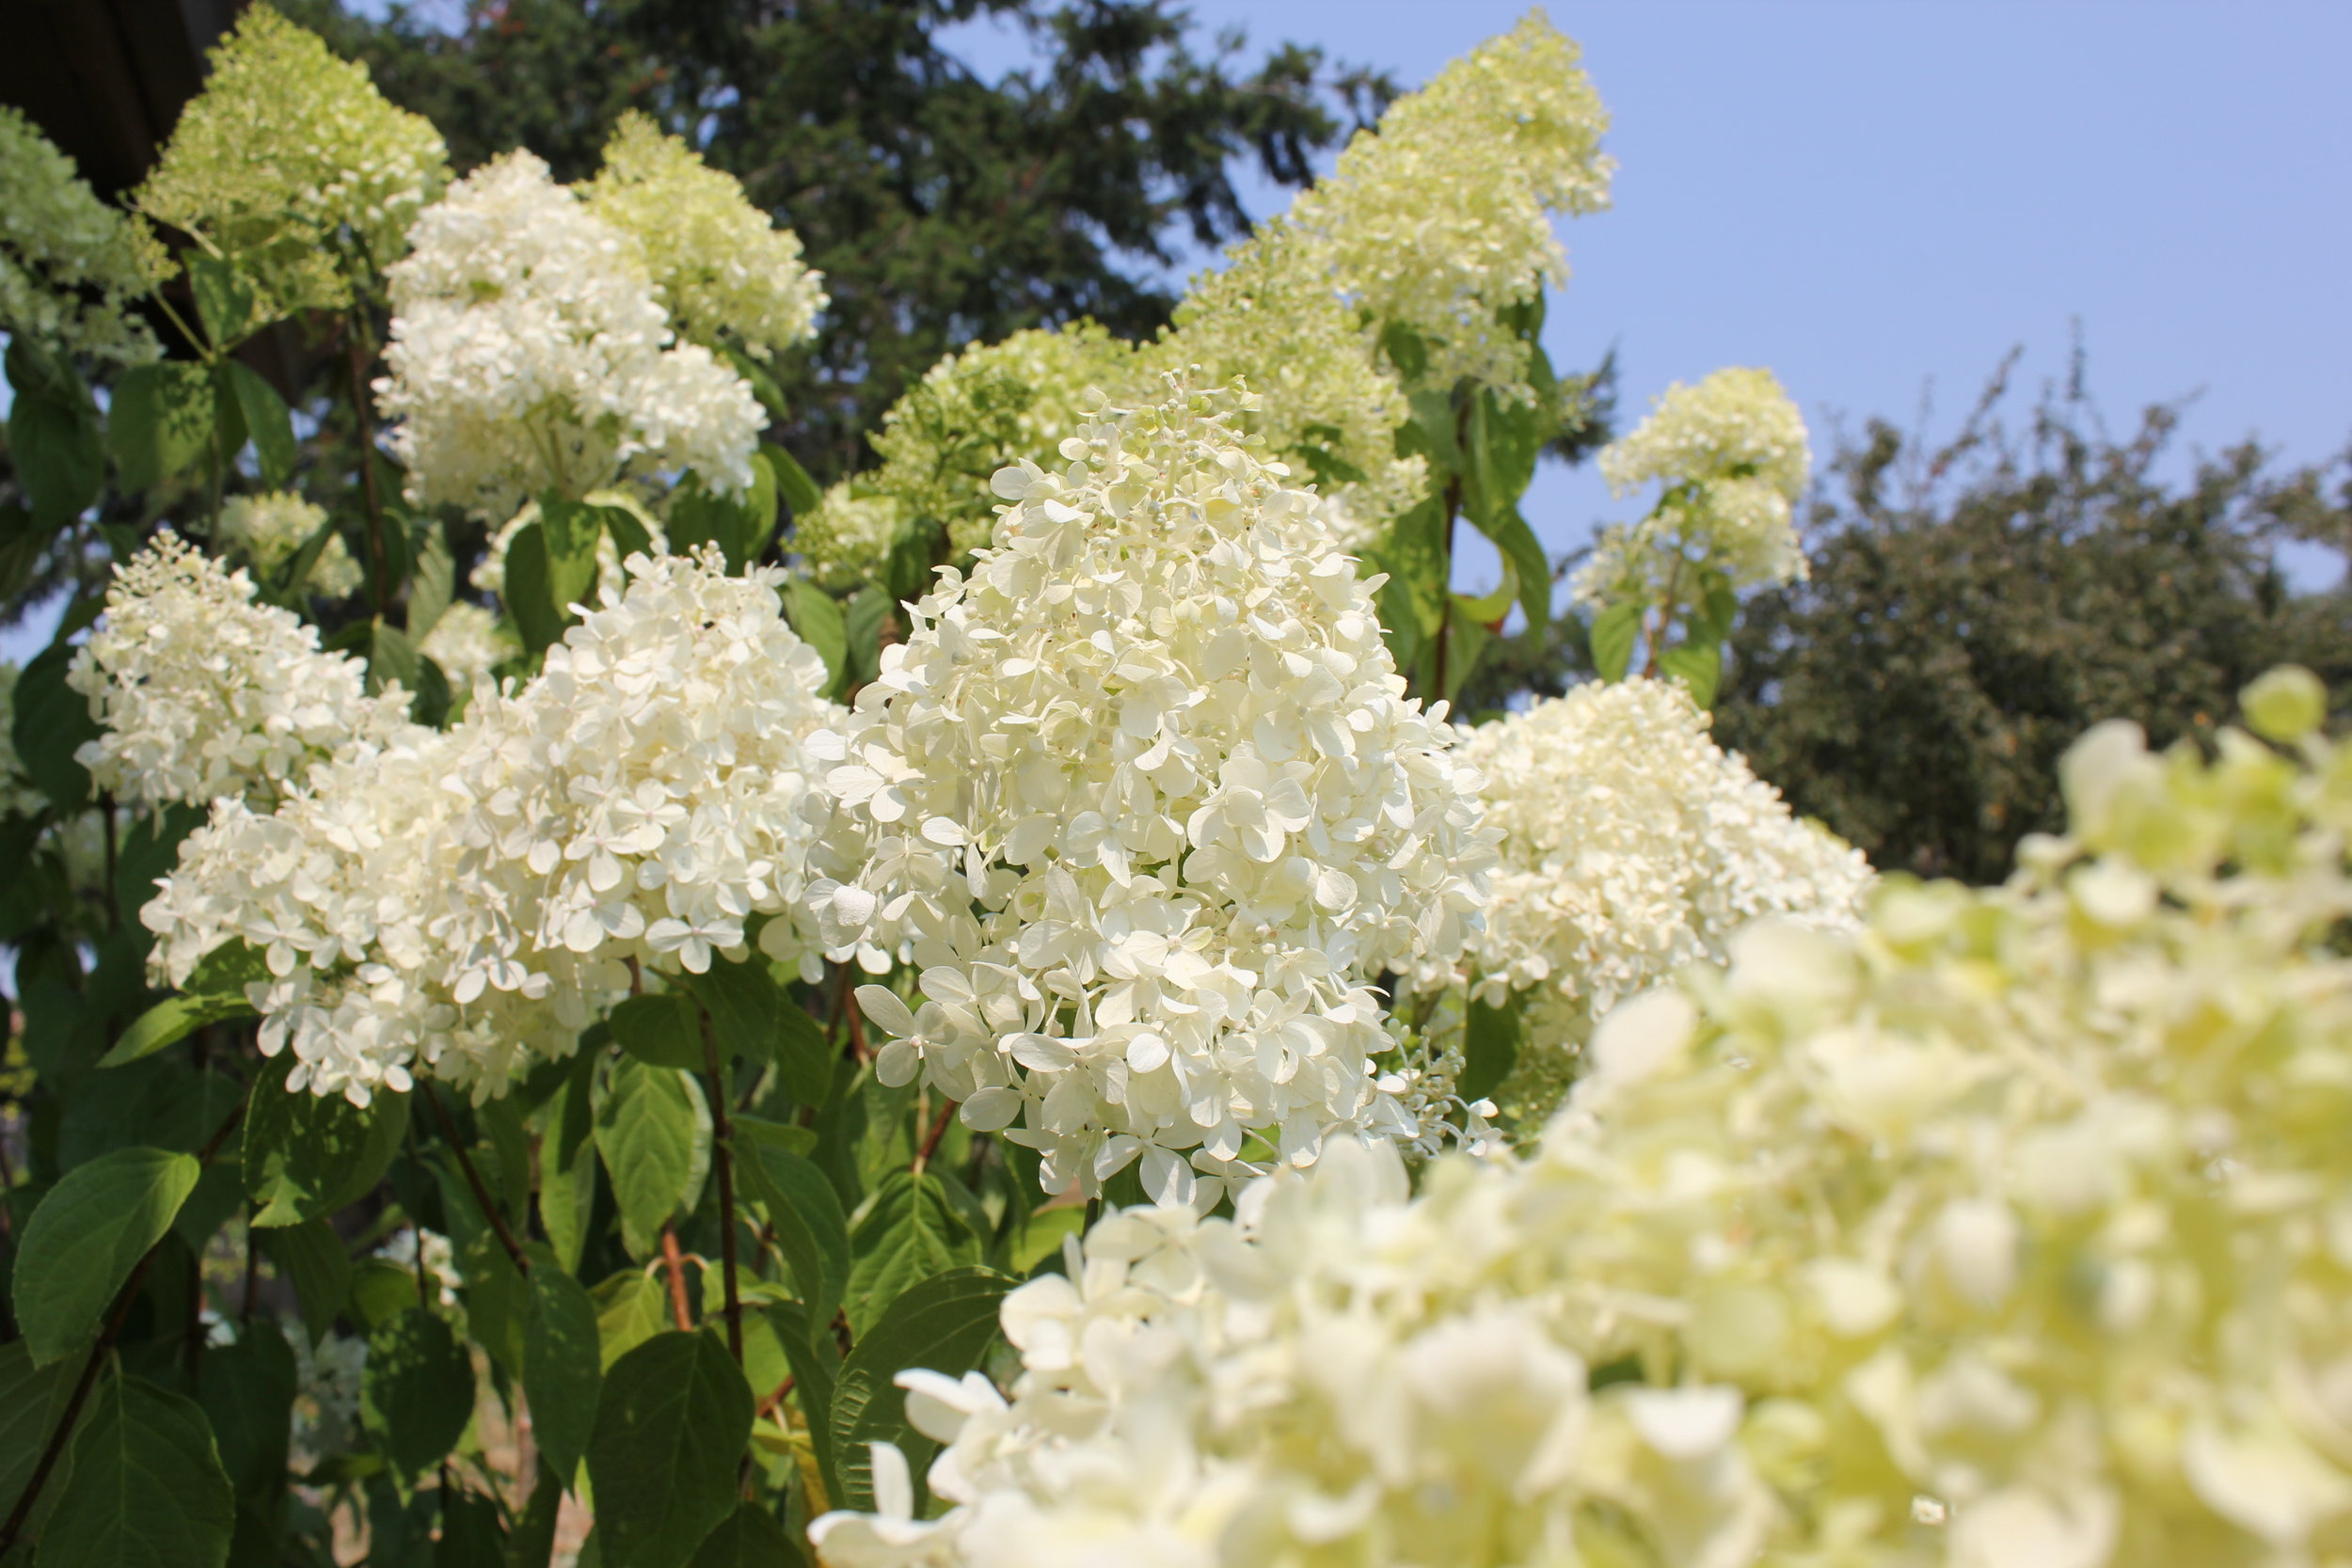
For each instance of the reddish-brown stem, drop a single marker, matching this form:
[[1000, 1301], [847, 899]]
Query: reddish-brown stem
[[931, 1144], [474, 1180], [673, 1263], [121, 1309], [723, 1160]]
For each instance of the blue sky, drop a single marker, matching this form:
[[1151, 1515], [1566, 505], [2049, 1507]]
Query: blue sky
[[1878, 198]]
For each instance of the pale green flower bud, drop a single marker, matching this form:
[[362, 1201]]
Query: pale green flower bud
[[2285, 704]]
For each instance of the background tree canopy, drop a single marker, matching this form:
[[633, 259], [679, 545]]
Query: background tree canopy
[[942, 208], [1972, 608]]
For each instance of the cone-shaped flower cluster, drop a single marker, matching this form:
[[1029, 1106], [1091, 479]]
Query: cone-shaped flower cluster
[[529, 353], [293, 167], [1631, 845], [469, 900], [204, 693], [1731, 456], [69, 264], [1145, 801]]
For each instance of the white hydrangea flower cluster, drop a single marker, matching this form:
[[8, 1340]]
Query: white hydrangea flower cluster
[[470, 901], [720, 267], [69, 266], [846, 540], [468, 643], [1442, 216], [1632, 845], [268, 530], [529, 353], [1145, 801], [291, 166], [1732, 457], [989, 406], [1339, 1374], [2008, 1231], [205, 694]]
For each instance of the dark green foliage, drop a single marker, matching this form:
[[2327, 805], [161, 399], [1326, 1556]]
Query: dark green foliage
[[1972, 610], [147, 1486], [944, 1323], [670, 1430]]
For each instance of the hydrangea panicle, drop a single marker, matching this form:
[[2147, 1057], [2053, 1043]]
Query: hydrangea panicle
[[291, 166], [529, 353], [69, 266], [469, 901], [721, 268], [1732, 457], [1631, 846], [1145, 801], [205, 694], [270, 529]]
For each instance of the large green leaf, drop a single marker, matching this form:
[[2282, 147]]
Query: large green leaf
[[748, 1538], [159, 423], [532, 599], [793, 484], [653, 1133], [1490, 1048], [742, 999], [910, 1232], [308, 1155], [53, 722], [147, 1487], [87, 1236], [32, 1402], [1696, 664], [223, 300], [660, 1029], [54, 437], [531, 1542], [671, 1425], [471, 1535], [632, 1308], [417, 1394], [806, 1214], [432, 583], [944, 1325], [804, 1058], [313, 1257], [1614, 631], [266, 420], [562, 1373], [817, 616], [567, 1161], [171, 1020]]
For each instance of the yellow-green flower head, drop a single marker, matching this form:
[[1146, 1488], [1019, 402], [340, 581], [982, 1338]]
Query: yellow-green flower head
[[1732, 457], [2008, 1232], [1326, 406], [720, 269], [986, 408], [266, 530], [1443, 215], [69, 264], [293, 167], [845, 541]]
